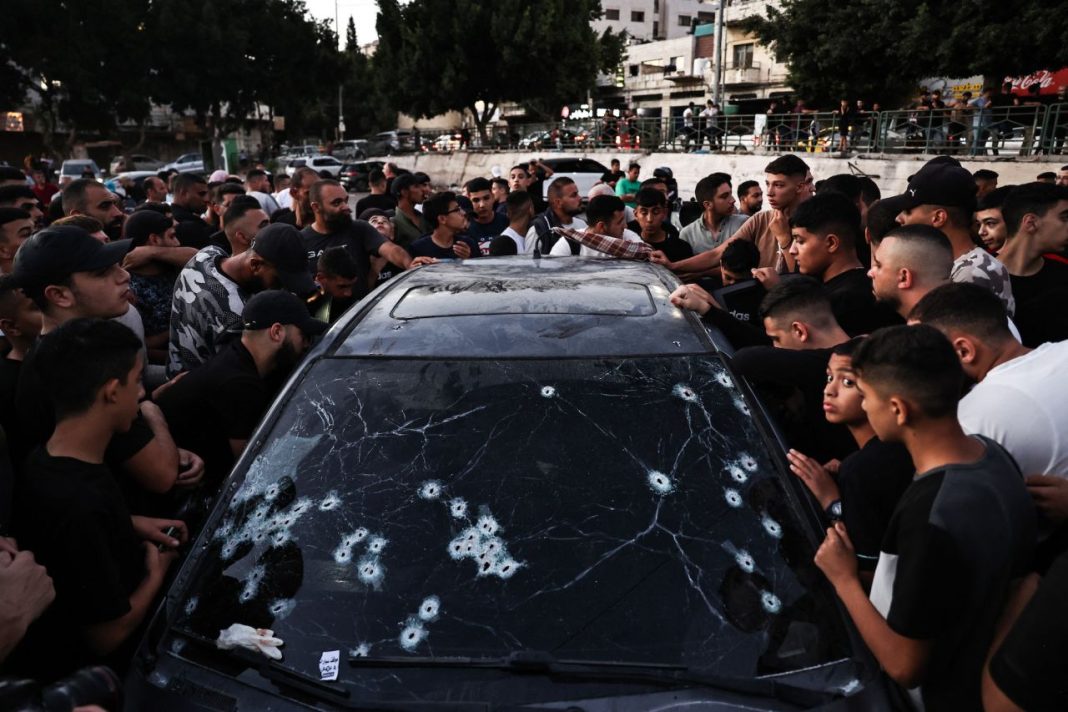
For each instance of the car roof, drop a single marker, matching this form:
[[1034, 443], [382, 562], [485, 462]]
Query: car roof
[[521, 307]]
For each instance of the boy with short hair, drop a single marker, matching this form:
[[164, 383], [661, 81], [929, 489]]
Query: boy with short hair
[[963, 530], [106, 565], [740, 258], [863, 489]]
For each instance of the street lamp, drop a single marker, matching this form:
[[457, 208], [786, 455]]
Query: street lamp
[[718, 81]]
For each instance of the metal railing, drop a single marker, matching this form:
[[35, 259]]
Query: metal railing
[[1001, 131]]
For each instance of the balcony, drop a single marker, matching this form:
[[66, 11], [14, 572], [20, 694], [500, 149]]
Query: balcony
[[738, 10], [742, 75]]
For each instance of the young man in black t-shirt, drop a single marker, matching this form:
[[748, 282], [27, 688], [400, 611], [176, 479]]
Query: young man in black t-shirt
[[825, 231], [20, 320], [215, 408], [863, 489], [650, 215], [1036, 218], [447, 240], [69, 274], [107, 566], [485, 224], [1026, 671], [379, 198], [963, 530]]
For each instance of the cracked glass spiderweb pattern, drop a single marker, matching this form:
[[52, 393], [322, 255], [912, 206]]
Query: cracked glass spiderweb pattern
[[619, 510]]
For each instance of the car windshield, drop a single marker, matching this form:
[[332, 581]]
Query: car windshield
[[604, 510]]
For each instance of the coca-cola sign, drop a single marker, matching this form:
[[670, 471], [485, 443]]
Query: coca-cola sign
[[1047, 81]]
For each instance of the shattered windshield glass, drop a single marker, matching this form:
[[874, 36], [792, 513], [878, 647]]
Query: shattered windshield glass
[[607, 510]]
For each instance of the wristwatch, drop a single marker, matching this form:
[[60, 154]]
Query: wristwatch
[[834, 510]]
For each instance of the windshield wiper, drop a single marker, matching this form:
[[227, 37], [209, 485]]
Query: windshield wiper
[[333, 693], [659, 674]]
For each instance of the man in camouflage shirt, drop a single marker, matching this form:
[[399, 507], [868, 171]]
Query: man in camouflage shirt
[[212, 289], [942, 194]]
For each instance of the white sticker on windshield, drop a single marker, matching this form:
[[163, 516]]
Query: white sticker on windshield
[[328, 662]]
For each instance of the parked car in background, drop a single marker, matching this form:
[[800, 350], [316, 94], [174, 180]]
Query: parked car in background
[[75, 168], [350, 150], [354, 176], [317, 163], [453, 505], [186, 163], [133, 162], [586, 173], [446, 142], [390, 142]]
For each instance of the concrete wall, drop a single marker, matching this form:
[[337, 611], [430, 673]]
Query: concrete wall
[[891, 174]]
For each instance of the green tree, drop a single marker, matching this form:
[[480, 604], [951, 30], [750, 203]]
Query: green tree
[[226, 59], [350, 37], [436, 56], [81, 65], [881, 49]]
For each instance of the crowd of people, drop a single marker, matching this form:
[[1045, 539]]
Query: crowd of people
[[908, 347]]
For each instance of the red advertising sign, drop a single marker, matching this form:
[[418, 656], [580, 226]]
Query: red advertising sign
[[1049, 82]]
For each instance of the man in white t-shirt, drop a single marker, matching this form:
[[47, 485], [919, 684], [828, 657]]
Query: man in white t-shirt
[[1019, 401], [607, 216], [520, 208], [258, 186]]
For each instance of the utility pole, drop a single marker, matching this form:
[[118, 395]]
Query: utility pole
[[719, 53], [340, 113]]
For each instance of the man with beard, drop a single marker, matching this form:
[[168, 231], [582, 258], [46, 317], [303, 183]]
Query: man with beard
[[212, 290], [334, 226], [217, 406], [89, 197], [297, 210], [564, 205]]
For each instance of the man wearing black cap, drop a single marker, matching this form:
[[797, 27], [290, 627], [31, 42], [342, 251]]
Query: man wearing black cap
[[409, 224], [942, 194], [217, 406], [212, 290], [70, 275]]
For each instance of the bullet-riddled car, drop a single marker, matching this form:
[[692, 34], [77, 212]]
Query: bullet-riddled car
[[511, 484]]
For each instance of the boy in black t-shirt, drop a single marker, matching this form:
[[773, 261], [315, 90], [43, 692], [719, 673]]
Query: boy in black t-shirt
[[864, 488], [650, 214], [70, 513], [1036, 220], [963, 530]]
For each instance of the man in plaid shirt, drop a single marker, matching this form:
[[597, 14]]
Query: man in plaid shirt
[[607, 234]]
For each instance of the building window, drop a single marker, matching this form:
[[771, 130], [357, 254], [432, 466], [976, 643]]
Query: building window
[[633, 69], [703, 17], [685, 20], [611, 14], [656, 30], [637, 16], [743, 55]]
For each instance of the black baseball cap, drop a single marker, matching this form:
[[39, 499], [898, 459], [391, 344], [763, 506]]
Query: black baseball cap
[[369, 213], [283, 246], [143, 223], [941, 183], [57, 252], [276, 306]]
